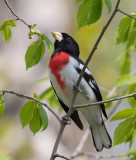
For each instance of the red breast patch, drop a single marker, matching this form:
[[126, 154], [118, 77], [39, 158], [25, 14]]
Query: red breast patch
[[57, 62]]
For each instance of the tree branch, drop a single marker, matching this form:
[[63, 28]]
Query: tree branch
[[125, 13], [31, 98], [12, 11], [61, 156], [91, 155], [106, 101]]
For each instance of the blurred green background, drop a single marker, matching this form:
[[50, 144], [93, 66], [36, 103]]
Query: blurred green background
[[53, 15]]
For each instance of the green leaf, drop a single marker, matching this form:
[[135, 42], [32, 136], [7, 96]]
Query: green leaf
[[122, 130], [132, 101], [26, 113], [132, 138], [43, 116], [121, 34], [3, 156], [35, 123], [41, 80], [126, 113], [6, 33], [2, 105], [131, 35], [36, 97], [89, 12], [48, 43], [34, 53], [109, 5], [11, 23], [133, 152], [126, 79], [2, 26], [125, 63]]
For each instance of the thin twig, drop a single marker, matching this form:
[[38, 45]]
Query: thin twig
[[91, 155], [12, 11], [71, 109], [106, 101], [61, 156], [31, 98], [126, 14]]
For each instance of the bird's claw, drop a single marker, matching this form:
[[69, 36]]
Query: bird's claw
[[66, 120], [77, 88]]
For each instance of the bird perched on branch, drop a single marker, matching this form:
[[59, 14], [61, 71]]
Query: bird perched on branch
[[64, 69]]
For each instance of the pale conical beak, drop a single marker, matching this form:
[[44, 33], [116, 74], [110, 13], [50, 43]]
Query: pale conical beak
[[58, 36]]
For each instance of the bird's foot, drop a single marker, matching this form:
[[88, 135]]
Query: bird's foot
[[77, 89], [66, 120]]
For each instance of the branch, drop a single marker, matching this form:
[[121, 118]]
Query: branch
[[106, 101], [31, 98], [12, 11], [125, 13], [71, 109], [61, 156], [89, 154]]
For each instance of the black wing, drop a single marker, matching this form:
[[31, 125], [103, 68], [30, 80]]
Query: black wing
[[89, 79], [74, 116]]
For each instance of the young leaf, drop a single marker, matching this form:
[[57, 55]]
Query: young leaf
[[26, 113], [6, 33], [34, 53], [121, 34], [35, 123], [36, 96], [11, 23], [126, 113], [48, 43], [132, 138], [2, 105], [109, 5], [43, 116], [122, 130], [126, 79], [132, 101], [89, 12]]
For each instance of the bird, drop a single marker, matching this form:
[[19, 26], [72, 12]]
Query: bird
[[64, 69]]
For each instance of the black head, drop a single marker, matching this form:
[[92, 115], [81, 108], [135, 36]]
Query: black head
[[64, 42]]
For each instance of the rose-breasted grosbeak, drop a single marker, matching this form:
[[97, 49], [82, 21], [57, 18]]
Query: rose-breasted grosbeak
[[64, 70]]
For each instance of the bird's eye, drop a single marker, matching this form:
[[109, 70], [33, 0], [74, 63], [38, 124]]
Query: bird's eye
[[68, 39]]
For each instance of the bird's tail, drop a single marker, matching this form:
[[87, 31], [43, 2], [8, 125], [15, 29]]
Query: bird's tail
[[101, 137]]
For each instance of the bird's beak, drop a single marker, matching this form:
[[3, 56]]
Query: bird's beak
[[58, 36]]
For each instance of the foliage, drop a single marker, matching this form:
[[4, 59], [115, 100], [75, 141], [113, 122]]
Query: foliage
[[35, 115], [4, 156], [2, 104]]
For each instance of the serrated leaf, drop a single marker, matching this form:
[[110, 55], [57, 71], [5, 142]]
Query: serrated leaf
[[44, 117], [126, 79], [11, 23], [122, 130], [126, 113], [125, 63], [132, 138], [6, 33], [109, 5], [35, 123], [122, 30], [27, 113], [34, 53], [132, 89], [89, 12], [48, 43]]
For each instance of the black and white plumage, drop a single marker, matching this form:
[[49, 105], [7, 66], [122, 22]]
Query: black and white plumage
[[64, 70]]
